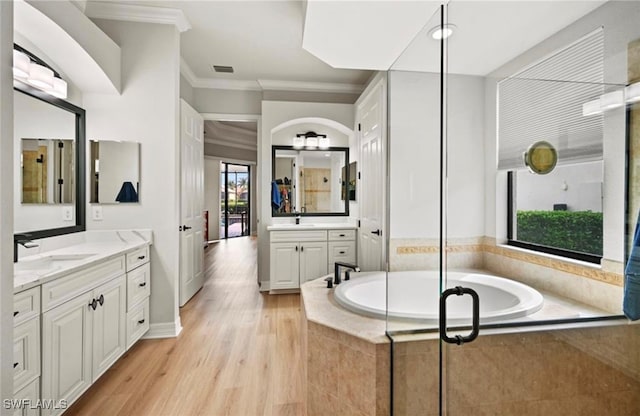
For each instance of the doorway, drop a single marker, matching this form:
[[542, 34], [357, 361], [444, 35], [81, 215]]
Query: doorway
[[235, 200]]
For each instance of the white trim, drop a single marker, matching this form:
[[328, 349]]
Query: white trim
[[232, 161], [164, 330], [137, 13], [274, 85], [231, 144], [265, 84], [231, 117]]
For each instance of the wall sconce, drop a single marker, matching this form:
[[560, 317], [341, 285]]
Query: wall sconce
[[31, 70], [311, 140]]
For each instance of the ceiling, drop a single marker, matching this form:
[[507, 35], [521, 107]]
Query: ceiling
[[297, 45]]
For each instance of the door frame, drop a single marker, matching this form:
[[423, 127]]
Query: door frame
[[253, 214], [250, 171]]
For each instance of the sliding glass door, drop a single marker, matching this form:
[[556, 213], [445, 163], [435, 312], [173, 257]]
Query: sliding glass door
[[235, 203]]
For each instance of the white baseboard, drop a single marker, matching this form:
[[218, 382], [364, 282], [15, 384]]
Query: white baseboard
[[164, 330], [264, 286]]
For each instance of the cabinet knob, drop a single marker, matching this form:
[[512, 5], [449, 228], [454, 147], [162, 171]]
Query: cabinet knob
[[15, 365], [15, 313], [143, 284], [296, 248], [342, 252], [141, 321], [342, 235], [301, 248], [101, 299], [141, 257], [93, 304]]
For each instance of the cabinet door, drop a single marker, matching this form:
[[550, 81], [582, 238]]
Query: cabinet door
[[27, 399], [66, 351], [313, 260], [284, 266], [109, 332]]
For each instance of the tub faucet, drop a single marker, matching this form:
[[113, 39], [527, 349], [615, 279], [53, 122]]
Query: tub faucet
[[336, 271], [24, 240]]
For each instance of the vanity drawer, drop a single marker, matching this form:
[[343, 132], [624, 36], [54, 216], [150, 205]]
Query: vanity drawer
[[138, 285], [74, 284], [137, 258], [343, 251], [338, 235], [137, 322], [302, 235], [26, 353], [26, 305]]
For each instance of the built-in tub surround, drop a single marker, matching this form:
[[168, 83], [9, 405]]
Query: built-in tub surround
[[597, 285], [60, 255], [584, 369]]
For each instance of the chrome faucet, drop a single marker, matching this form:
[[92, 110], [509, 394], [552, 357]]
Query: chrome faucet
[[24, 240], [336, 271]]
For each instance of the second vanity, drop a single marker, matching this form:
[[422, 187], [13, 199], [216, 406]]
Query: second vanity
[[77, 309], [299, 253]]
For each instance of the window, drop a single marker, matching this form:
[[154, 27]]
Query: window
[[558, 213]]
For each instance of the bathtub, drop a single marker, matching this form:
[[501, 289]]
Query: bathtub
[[414, 296]]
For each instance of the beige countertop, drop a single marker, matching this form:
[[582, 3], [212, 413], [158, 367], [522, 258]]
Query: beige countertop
[[311, 226], [37, 269]]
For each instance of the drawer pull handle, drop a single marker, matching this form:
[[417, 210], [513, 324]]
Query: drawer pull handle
[[15, 365], [342, 252], [16, 313], [141, 321], [101, 300], [93, 304], [342, 235], [143, 284], [141, 257]]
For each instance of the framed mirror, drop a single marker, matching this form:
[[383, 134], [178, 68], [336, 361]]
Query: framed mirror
[[114, 172], [49, 165], [309, 182]]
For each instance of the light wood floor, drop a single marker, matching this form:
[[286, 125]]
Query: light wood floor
[[238, 353]]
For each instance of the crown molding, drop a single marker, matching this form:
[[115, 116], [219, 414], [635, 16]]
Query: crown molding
[[303, 86], [231, 144], [265, 85], [137, 13]]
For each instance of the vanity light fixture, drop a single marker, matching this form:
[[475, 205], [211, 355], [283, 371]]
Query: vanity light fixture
[[311, 140], [31, 70], [442, 32]]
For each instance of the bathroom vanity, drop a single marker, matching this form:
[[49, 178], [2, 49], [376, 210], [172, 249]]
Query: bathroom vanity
[[299, 253], [77, 309]]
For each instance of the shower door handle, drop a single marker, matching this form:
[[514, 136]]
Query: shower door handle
[[475, 317]]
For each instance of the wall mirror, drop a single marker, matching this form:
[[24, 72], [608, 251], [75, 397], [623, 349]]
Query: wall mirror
[[49, 195], [309, 182], [114, 172]]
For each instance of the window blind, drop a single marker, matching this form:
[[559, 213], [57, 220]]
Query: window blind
[[544, 102]]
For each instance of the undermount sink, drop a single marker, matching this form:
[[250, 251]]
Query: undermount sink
[[48, 262]]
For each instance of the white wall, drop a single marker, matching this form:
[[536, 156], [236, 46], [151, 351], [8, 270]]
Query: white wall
[[147, 112], [274, 114], [6, 194], [620, 27], [208, 100], [578, 186], [212, 195], [36, 119], [186, 91], [414, 137]]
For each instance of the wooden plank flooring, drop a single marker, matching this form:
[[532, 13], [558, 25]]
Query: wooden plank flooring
[[239, 352]]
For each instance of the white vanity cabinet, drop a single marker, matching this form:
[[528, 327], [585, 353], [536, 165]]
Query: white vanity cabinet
[[83, 336], [26, 351], [297, 256], [138, 292]]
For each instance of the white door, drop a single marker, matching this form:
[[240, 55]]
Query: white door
[[109, 341], [66, 350], [372, 186], [192, 202], [313, 260], [285, 265]]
